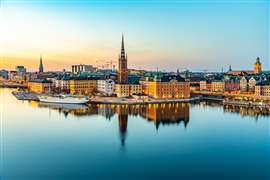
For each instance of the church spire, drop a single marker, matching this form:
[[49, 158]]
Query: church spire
[[40, 65], [123, 46], [122, 65]]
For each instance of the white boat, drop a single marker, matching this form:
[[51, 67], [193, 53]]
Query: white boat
[[64, 99]]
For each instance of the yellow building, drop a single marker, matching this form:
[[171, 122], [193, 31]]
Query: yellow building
[[218, 86], [83, 86], [257, 66], [39, 86], [166, 87], [263, 89], [126, 90]]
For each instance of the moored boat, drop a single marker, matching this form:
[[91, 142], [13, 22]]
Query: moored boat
[[64, 99]]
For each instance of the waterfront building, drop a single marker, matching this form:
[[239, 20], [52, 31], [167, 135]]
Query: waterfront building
[[194, 86], [243, 84], [262, 89], [232, 85], [22, 78], [218, 86], [62, 83], [122, 65], [257, 66], [122, 90], [20, 69], [126, 90], [83, 85], [106, 86], [166, 87], [252, 82], [79, 68], [205, 85], [41, 68], [39, 85]]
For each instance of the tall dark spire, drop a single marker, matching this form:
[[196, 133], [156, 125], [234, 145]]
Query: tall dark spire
[[123, 46], [40, 65], [122, 65]]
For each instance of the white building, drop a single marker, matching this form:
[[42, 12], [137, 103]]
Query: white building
[[252, 83], [63, 83], [243, 84], [106, 86], [76, 69]]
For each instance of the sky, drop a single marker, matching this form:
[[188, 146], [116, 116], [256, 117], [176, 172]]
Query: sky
[[168, 35]]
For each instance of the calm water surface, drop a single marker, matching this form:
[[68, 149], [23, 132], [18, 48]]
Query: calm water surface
[[188, 141]]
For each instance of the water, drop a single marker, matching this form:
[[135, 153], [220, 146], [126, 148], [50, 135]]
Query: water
[[189, 141]]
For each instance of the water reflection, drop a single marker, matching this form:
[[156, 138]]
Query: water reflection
[[90, 140], [247, 111], [255, 112], [159, 114]]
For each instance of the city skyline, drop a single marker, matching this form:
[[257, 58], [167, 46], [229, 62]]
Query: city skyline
[[175, 35]]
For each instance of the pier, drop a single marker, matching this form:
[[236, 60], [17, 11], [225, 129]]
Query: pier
[[22, 95], [12, 85]]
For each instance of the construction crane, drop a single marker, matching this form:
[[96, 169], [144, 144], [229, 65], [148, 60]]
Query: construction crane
[[112, 64], [106, 64]]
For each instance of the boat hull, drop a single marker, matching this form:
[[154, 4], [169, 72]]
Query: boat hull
[[66, 100]]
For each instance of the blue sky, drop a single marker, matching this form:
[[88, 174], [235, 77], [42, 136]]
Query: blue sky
[[194, 35]]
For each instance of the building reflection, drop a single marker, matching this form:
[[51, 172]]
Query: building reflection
[[255, 112], [159, 114], [167, 114], [123, 121]]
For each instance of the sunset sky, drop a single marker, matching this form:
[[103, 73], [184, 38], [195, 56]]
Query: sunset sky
[[195, 35]]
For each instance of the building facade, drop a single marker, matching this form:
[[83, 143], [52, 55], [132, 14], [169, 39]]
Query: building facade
[[62, 84], [218, 86], [78, 68], [126, 90], [39, 86], [263, 89], [232, 85], [251, 84], [243, 84], [83, 86], [166, 87], [106, 86], [205, 85]]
